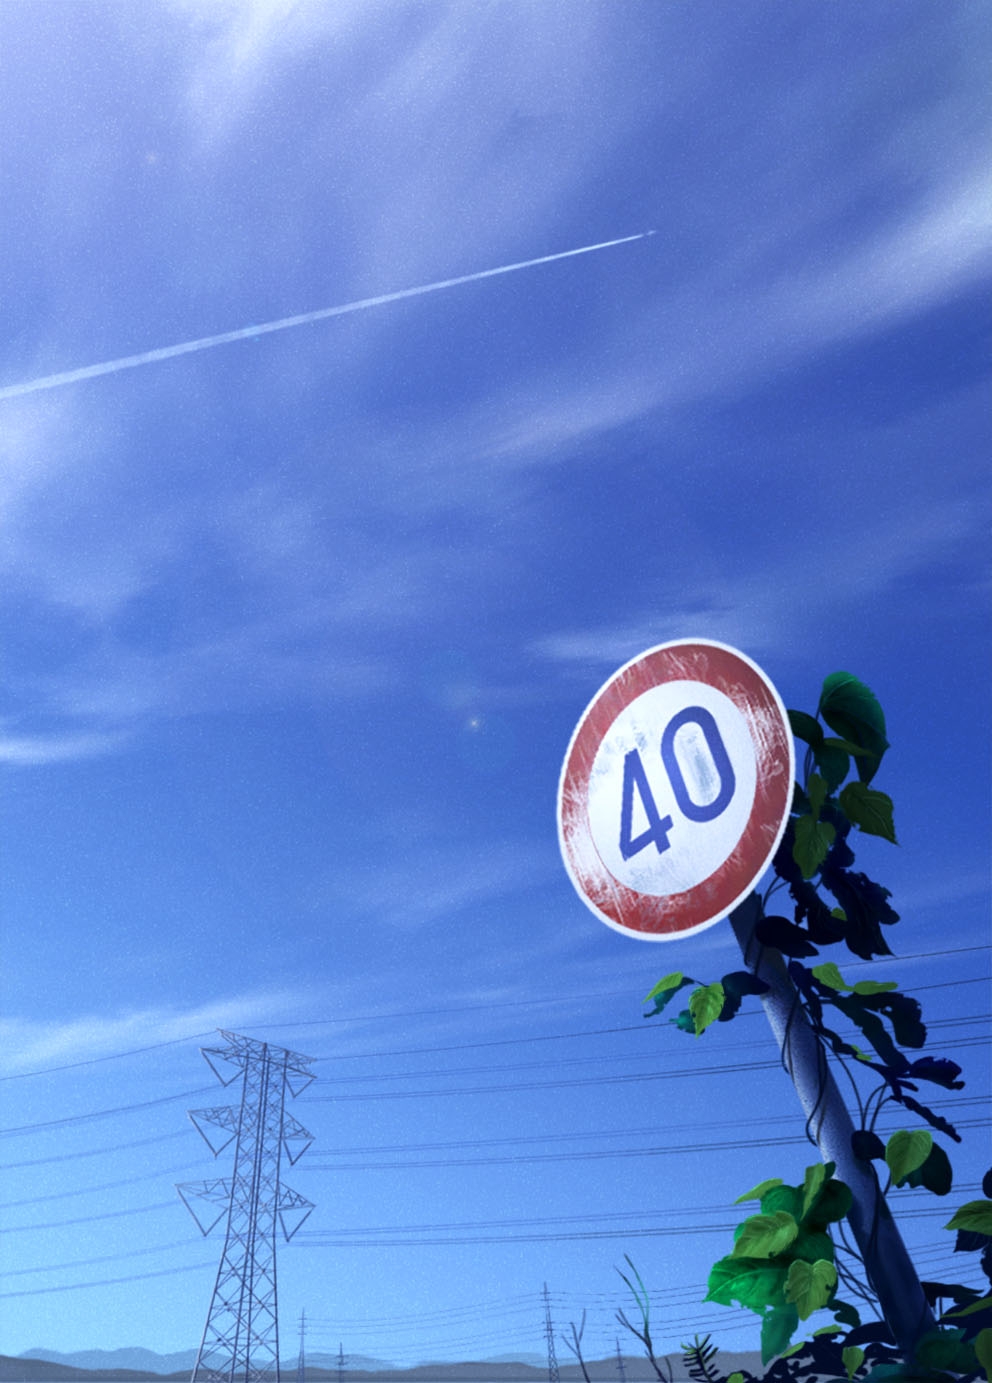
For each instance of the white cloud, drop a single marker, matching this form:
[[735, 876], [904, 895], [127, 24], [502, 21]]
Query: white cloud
[[762, 609], [29, 1043], [31, 750], [936, 248], [235, 44], [431, 881]]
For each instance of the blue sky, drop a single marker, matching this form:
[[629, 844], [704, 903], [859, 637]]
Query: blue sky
[[297, 629]]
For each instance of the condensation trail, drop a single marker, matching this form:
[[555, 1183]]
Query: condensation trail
[[204, 343]]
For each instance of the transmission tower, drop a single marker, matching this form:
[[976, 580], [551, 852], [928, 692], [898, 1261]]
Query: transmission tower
[[341, 1362], [553, 1376], [301, 1362], [620, 1368], [241, 1337]]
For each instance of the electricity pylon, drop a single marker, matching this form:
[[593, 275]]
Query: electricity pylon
[[301, 1362], [553, 1376], [620, 1368], [241, 1337]]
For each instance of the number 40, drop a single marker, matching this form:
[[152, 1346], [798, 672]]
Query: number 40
[[635, 780]]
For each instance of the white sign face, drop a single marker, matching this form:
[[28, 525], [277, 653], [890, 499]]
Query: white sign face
[[676, 789], [671, 788]]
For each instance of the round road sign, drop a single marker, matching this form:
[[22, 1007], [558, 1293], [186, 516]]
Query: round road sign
[[675, 789]]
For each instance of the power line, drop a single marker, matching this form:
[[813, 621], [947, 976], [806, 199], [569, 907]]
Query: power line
[[794, 1140], [89, 1219], [567, 1061], [103, 1282], [470, 1008], [575, 1060], [104, 1186], [111, 1056], [942, 1106], [622, 1079], [103, 1258], [106, 1113], [93, 1152]]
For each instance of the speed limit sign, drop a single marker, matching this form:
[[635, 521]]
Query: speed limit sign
[[676, 789]]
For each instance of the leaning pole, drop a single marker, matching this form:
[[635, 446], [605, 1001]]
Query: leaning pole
[[888, 1266]]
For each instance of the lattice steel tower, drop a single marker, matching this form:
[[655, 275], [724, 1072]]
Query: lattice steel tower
[[553, 1376], [620, 1368], [241, 1337]]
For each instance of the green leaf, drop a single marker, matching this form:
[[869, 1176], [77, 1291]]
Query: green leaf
[[812, 843], [975, 1216], [813, 1244], [756, 1192], [753, 1282], [833, 1203], [945, 1349], [982, 1345], [804, 727], [705, 1005], [813, 1181], [684, 1021], [828, 974], [875, 986], [906, 1151], [762, 1236], [816, 791], [853, 712], [982, 1304], [674, 981], [783, 1197], [735, 1377], [809, 1285], [777, 1326], [869, 809], [833, 763], [852, 1358], [935, 1174], [666, 989], [849, 747]]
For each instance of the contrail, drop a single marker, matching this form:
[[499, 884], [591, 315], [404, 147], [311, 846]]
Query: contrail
[[204, 343]]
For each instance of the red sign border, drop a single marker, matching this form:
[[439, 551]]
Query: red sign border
[[680, 914]]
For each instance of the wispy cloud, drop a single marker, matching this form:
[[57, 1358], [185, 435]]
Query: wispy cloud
[[434, 881], [318, 560], [29, 1043], [30, 750], [940, 245], [761, 609], [235, 44]]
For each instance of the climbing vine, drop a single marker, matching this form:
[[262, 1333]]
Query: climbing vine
[[793, 1257]]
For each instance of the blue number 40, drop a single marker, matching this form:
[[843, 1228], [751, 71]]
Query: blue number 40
[[635, 780]]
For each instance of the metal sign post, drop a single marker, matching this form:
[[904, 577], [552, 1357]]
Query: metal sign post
[[888, 1266]]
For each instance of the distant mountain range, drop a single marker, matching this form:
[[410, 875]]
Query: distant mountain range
[[147, 1361], [138, 1365]]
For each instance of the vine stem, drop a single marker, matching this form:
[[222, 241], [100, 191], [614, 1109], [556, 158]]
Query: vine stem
[[889, 1269]]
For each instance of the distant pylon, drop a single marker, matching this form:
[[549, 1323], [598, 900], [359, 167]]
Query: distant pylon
[[620, 1368], [553, 1376], [301, 1362], [241, 1337], [341, 1362]]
